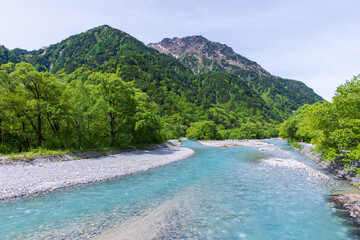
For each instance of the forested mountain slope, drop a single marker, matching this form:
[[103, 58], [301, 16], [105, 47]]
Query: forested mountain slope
[[201, 55], [92, 72]]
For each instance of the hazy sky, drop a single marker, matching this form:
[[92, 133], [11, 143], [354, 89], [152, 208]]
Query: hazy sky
[[314, 41]]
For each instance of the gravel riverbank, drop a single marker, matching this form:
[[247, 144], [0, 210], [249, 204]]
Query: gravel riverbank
[[335, 168], [350, 203], [18, 180]]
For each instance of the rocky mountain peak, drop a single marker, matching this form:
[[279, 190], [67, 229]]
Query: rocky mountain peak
[[201, 55]]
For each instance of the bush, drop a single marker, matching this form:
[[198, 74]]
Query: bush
[[250, 131], [204, 130], [296, 145]]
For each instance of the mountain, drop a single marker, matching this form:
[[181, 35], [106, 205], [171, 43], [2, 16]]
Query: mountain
[[105, 49], [201, 55], [94, 49], [191, 79]]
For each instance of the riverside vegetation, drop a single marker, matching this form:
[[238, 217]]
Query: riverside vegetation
[[103, 88], [334, 127]]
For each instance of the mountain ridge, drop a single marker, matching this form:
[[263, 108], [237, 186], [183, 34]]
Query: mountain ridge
[[198, 46], [201, 55], [227, 94]]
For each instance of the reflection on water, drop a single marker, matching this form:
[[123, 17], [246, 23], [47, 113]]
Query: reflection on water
[[220, 193]]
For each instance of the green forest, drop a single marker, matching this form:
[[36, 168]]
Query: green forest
[[103, 88], [334, 127]]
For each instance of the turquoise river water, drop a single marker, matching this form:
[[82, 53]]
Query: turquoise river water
[[219, 193]]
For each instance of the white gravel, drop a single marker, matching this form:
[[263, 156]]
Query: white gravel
[[17, 180], [230, 143], [295, 165], [270, 149]]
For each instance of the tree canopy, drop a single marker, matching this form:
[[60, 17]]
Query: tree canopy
[[334, 127], [105, 88], [39, 110]]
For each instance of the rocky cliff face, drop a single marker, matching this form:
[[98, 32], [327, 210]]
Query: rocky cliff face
[[202, 55]]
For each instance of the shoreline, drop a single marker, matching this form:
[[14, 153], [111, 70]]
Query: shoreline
[[42, 176], [335, 169], [349, 203]]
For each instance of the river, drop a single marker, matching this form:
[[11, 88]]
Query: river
[[218, 193]]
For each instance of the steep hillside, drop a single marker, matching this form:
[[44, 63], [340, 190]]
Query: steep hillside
[[201, 55], [96, 49], [110, 50], [105, 49], [195, 80]]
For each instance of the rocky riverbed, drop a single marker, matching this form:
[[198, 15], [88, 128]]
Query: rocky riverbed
[[232, 143], [350, 203], [335, 168], [295, 165], [17, 180]]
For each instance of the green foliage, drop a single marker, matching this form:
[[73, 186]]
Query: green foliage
[[39, 110], [333, 127], [7, 56], [29, 100], [237, 92], [116, 101], [296, 145], [250, 130], [204, 130], [104, 88], [203, 56], [148, 127], [301, 126]]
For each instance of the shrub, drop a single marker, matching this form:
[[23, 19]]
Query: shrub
[[204, 130]]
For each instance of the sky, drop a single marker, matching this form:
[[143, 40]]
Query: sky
[[313, 41]]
